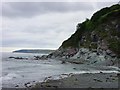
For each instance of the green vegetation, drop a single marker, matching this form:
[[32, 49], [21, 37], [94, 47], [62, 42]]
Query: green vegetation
[[103, 23], [114, 45]]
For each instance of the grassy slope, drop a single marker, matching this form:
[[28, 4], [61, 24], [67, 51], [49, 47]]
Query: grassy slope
[[106, 18]]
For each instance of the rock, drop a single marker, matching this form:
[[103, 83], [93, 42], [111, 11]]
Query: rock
[[97, 80], [25, 84], [108, 52], [55, 86], [88, 57], [76, 79], [94, 61], [17, 86], [74, 68], [94, 50], [76, 62], [11, 57], [28, 84], [63, 62], [111, 76], [113, 55], [37, 57], [18, 58], [94, 38], [98, 53]]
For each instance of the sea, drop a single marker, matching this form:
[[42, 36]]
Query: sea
[[21, 71]]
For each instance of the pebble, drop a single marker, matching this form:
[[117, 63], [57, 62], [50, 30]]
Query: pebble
[[74, 68], [17, 86]]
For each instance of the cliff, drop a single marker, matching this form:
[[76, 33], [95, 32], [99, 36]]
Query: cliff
[[99, 34]]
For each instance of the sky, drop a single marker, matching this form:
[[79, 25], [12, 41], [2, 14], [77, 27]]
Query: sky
[[43, 25]]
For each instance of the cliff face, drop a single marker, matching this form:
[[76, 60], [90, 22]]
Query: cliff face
[[100, 33]]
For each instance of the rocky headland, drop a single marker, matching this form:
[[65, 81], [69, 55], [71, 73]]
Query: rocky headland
[[95, 42]]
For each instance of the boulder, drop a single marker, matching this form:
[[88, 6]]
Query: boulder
[[108, 52], [63, 62], [113, 55]]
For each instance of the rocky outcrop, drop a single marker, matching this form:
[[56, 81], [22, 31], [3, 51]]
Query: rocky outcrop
[[97, 38], [65, 53], [18, 58]]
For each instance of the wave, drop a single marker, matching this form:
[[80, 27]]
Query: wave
[[9, 76]]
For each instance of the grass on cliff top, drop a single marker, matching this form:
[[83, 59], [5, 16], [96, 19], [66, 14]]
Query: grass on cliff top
[[97, 19]]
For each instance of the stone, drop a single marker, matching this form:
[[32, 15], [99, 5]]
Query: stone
[[113, 55], [108, 52], [17, 86], [63, 62], [74, 68], [94, 50]]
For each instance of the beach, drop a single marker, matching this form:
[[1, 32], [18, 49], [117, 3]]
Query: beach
[[53, 73], [87, 80]]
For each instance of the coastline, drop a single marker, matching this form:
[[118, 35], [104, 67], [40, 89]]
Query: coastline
[[86, 80], [86, 75]]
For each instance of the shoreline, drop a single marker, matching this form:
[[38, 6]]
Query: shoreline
[[75, 80], [86, 80]]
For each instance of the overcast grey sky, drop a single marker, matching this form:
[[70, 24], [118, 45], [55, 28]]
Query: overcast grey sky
[[43, 24]]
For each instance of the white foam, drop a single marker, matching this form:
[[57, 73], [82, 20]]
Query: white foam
[[9, 76], [96, 71], [57, 77]]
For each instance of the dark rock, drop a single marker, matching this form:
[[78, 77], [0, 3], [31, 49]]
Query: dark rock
[[18, 58], [74, 68], [110, 75], [48, 85], [113, 78], [37, 57], [76, 79], [94, 38], [17, 86], [28, 83], [94, 61], [98, 53], [88, 57], [25, 84], [55, 86], [97, 80], [75, 62], [63, 62], [11, 57]]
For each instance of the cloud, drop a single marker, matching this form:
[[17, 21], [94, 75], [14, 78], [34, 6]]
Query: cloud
[[48, 30], [30, 9], [43, 25]]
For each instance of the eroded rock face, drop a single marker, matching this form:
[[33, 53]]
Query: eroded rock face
[[66, 53], [90, 57], [94, 39]]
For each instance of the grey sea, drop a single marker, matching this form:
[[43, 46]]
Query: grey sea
[[18, 72]]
